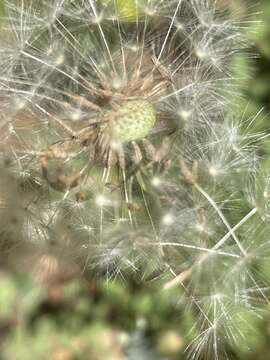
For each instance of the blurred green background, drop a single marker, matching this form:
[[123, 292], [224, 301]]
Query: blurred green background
[[76, 318]]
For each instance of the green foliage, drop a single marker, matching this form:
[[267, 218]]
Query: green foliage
[[80, 320]]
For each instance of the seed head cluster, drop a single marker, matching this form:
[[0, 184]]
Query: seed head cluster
[[120, 154]]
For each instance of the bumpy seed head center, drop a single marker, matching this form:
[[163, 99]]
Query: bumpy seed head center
[[132, 121]]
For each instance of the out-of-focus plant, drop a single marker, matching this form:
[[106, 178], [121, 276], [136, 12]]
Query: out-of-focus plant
[[121, 154], [256, 86], [75, 320]]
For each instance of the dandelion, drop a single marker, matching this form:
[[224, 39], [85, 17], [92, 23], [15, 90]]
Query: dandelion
[[122, 155]]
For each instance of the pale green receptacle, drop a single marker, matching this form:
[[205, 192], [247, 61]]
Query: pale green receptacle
[[128, 10], [132, 121]]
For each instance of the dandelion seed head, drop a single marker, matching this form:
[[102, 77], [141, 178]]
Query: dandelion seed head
[[179, 26], [11, 129], [201, 53], [168, 220], [266, 195], [118, 83], [76, 115], [123, 154], [185, 114], [102, 201], [19, 104], [60, 59], [213, 171], [200, 227], [156, 181]]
